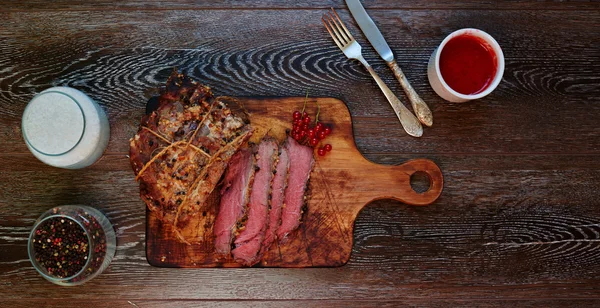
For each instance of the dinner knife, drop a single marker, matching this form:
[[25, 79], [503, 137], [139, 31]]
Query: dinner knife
[[376, 39]]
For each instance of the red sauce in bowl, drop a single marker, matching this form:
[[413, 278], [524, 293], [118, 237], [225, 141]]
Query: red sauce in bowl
[[468, 64]]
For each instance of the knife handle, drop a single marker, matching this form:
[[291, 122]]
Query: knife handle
[[421, 110], [409, 122]]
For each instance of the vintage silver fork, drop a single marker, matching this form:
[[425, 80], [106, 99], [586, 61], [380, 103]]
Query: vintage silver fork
[[352, 50]]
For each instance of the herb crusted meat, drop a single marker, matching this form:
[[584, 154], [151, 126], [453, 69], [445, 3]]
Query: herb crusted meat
[[181, 151]]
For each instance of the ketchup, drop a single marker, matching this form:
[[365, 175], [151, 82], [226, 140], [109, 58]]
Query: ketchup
[[468, 64]]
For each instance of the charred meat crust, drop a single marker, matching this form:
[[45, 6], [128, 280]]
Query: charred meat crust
[[182, 149]]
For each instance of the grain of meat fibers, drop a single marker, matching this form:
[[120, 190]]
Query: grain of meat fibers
[[301, 164], [251, 235], [235, 195], [181, 151], [277, 195]]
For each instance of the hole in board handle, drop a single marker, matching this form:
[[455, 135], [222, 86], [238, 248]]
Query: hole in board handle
[[420, 182]]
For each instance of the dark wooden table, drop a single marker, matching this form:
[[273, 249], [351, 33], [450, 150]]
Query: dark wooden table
[[518, 222]]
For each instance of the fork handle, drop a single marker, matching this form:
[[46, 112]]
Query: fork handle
[[419, 106], [409, 122]]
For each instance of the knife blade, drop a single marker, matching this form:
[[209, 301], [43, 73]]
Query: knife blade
[[370, 30], [376, 39]]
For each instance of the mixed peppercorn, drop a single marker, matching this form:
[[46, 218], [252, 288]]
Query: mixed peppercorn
[[64, 249]]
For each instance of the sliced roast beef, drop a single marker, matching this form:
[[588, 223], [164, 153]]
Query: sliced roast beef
[[277, 194], [234, 198], [248, 242], [301, 163]]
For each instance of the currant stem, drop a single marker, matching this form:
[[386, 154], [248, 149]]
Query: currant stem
[[318, 111], [305, 100]]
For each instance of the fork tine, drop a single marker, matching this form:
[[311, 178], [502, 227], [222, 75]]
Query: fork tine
[[343, 26], [337, 42], [334, 24], [341, 39], [339, 36]]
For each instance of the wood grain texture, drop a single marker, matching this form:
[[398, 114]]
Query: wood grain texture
[[551, 73], [341, 184], [516, 225], [480, 239], [140, 303], [12, 5]]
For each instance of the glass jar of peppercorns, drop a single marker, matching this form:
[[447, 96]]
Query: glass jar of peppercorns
[[71, 244]]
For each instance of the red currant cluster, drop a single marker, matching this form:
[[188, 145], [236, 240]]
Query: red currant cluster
[[304, 133]]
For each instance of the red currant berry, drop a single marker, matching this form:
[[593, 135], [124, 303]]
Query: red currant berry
[[306, 120], [313, 142], [322, 135], [297, 121], [297, 115], [310, 133], [321, 152], [305, 114], [327, 147], [327, 130], [304, 126], [303, 134], [319, 126]]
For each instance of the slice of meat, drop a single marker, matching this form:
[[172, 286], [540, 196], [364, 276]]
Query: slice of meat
[[234, 198], [277, 194], [301, 163], [248, 242]]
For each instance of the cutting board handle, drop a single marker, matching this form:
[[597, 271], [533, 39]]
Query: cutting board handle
[[393, 182]]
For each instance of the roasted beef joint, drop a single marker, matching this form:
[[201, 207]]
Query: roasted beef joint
[[181, 151], [194, 142]]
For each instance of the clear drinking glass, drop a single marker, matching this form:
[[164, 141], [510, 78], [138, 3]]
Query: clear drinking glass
[[71, 244]]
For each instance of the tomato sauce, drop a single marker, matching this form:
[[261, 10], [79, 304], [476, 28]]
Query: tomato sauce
[[468, 64]]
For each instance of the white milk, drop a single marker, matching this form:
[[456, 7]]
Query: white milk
[[65, 128]]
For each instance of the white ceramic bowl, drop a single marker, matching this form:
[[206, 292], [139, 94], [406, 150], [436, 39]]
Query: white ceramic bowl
[[435, 76]]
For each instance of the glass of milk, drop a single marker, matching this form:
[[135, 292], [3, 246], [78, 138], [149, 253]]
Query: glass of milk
[[65, 128]]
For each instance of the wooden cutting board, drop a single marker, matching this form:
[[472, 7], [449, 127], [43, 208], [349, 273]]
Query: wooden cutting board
[[342, 183]]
